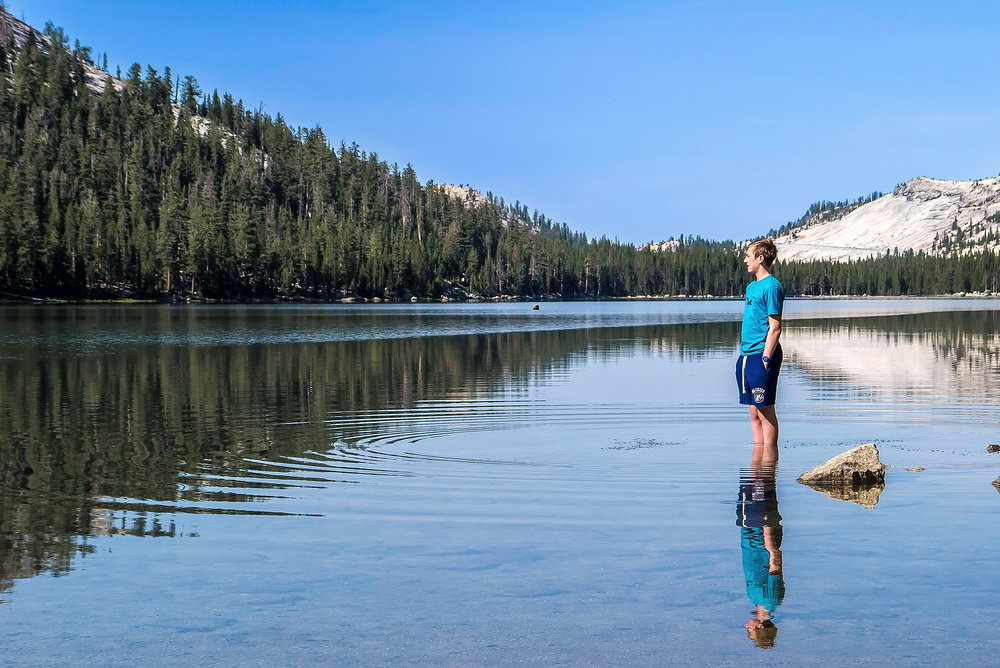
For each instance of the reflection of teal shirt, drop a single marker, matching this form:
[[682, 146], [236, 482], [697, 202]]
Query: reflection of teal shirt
[[765, 297], [762, 587]]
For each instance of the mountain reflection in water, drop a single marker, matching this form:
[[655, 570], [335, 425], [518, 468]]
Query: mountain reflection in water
[[97, 442], [130, 438], [916, 356]]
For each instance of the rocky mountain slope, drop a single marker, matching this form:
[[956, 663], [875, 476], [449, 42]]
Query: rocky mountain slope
[[14, 34], [924, 214]]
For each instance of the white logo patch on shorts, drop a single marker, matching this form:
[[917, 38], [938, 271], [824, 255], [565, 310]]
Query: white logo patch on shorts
[[758, 395]]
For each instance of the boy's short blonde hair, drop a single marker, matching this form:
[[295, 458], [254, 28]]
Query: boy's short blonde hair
[[765, 250]]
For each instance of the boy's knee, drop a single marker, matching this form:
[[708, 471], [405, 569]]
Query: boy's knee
[[753, 413]]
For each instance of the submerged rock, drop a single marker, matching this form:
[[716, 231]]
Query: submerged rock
[[857, 476]]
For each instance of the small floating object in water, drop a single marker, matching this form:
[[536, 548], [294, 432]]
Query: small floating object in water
[[993, 447], [916, 469], [535, 307]]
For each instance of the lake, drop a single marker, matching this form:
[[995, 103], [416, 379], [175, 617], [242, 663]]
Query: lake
[[483, 484]]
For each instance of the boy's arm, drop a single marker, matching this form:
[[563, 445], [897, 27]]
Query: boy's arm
[[773, 334]]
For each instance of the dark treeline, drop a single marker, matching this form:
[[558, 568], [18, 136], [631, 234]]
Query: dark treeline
[[145, 186], [906, 273]]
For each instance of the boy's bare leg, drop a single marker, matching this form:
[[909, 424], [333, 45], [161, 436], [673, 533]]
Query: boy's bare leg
[[755, 426], [764, 425], [768, 425]]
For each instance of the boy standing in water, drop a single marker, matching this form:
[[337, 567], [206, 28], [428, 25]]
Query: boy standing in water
[[760, 353]]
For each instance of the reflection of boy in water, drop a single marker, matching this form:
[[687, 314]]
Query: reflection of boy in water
[[760, 538]]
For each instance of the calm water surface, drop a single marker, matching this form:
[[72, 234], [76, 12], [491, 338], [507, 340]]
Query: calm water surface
[[485, 484]]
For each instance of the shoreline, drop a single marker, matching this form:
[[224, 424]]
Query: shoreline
[[8, 299]]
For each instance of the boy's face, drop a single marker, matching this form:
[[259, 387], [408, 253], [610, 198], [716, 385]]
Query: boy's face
[[752, 262]]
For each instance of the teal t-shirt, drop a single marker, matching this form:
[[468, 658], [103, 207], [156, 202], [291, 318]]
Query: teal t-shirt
[[765, 297]]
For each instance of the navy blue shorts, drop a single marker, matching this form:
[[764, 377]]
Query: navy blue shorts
[[758, 386]]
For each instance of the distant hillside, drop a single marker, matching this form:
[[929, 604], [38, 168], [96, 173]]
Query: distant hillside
[[142, 185], [922, 215], [15, 35]]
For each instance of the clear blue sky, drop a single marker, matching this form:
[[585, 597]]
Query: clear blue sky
[[638, 121]]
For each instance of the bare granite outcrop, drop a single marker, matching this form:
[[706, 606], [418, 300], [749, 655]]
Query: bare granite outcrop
[[923, 214], [857, 475]]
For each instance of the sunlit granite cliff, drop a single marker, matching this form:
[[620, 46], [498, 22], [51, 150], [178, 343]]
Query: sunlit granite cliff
[[924, 214]]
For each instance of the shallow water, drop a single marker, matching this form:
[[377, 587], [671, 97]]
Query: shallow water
[[484, 484]]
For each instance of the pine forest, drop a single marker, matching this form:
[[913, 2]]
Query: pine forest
[[144, 186]]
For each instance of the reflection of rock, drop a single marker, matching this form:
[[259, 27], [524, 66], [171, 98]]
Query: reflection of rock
[[864, 494], [857, 476], [859, 466]]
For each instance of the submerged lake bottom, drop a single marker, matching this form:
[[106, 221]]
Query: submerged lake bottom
[[477, 486]]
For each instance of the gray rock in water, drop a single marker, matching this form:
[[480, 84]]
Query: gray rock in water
[[857, 476], [996, 483], [993, 447], [859, 466]]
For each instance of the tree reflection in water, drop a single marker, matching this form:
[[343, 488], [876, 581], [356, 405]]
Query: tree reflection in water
[[108, 442]]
